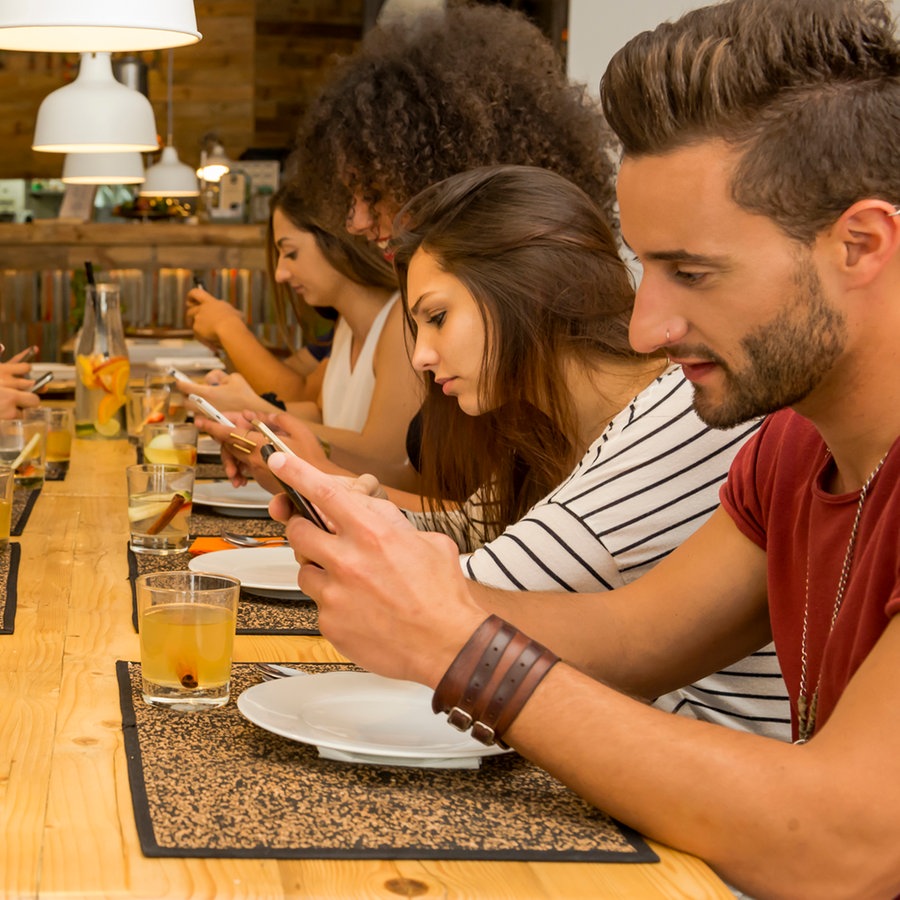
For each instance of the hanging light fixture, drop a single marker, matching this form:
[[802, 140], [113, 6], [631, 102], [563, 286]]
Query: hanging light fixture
[[75, 26], [213, 161], [103, 168], [170, 177], [95, 114]]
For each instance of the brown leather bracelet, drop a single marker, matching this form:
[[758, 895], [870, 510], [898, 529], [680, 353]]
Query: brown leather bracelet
[[491, 679], [455, 680], [502, 711]]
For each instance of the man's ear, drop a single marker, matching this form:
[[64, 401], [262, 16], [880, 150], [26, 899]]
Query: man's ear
[[866, 238]]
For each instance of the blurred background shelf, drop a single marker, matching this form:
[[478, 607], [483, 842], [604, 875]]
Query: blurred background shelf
[[41, 277]]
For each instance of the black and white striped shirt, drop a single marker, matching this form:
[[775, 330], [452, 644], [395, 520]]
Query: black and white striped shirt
[[648, 482]]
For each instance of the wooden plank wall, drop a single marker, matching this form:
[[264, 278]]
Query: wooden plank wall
[[248, 80]]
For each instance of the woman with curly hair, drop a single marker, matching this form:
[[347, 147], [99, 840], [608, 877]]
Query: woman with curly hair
[[443, 92]]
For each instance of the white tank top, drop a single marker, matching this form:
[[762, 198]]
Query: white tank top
[[346, 394]]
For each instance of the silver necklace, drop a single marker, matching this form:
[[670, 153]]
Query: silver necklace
[[806, 705]]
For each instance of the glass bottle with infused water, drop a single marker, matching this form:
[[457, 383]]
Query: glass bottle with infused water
[[102, 366]]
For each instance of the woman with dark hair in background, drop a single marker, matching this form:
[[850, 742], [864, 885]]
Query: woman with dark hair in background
[[367, 392]]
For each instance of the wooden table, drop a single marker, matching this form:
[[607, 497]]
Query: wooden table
[[66, 821]]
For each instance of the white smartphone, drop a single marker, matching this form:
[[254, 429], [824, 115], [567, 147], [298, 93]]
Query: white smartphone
[[209, 410], [176, 373], [267, 432]]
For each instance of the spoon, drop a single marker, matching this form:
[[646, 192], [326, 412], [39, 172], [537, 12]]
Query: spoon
[[244, 540], [272, 670]]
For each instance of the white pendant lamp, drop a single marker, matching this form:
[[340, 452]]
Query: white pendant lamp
[[170, 177], [213, 163], [75, 26], [95, 114], [103, 168]]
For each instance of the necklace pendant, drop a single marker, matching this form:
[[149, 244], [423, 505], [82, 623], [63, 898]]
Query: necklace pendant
[[806, 717]]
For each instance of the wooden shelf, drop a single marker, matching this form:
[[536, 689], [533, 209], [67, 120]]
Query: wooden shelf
[[54, 244]]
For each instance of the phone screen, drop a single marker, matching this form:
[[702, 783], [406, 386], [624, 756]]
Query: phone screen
[[301, 504]]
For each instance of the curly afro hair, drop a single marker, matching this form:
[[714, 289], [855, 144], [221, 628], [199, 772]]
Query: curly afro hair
[[445, 92]]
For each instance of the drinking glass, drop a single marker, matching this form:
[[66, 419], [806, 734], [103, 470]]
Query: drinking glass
[[186, 622], [7, 483], [60, 428], [145, 405], [177, 411], [11, 441], [170, 443], [159, 506], [23, 446]]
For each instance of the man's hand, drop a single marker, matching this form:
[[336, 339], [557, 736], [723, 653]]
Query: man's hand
[[392, 599]]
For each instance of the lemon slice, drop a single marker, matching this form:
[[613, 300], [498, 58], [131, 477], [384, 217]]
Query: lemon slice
[[161, 450], [147, 510], [109, 428]]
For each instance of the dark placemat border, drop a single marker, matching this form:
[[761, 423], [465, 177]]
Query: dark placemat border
[[8, 625], [22, 518], [642, 853], [290, 632]]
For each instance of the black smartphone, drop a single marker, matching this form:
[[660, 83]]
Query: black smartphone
[[301, 504], [198, 282], [44, 379]]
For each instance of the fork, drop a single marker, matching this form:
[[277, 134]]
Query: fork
[[273, 670], [244, 540]]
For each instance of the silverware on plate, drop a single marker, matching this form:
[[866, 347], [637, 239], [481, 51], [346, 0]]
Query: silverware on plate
[[273, 670], [244, 540]]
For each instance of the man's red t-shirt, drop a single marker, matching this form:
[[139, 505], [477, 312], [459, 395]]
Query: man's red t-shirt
[[774, 495]]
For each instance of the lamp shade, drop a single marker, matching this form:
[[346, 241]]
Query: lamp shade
[[103, 168], [75, 26], [95, 113], [170, 178], [213, 163]]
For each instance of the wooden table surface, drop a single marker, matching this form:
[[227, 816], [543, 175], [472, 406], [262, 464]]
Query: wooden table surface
[[66, 822]]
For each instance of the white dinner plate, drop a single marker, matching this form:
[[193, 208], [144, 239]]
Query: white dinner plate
[[361, 717], [267, 571], [61, 371], [251, 500], [190, 365]]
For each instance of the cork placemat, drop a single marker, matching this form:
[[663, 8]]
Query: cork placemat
[[212, 469], [9, 574], [214, 784], [205, 522], [23, 502], [256, 614]]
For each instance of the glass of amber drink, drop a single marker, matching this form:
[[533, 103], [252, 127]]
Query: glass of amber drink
[[186, 622], [159, 507], [60, 428], [170, 443]]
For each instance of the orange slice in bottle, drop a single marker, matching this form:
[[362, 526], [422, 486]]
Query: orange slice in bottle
[[106, 424], [85, 366]]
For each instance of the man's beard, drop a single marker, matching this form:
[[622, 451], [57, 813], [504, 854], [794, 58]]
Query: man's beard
[[788, 358]]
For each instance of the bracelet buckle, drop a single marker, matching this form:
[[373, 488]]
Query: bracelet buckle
[[484, 734], [459, 719]]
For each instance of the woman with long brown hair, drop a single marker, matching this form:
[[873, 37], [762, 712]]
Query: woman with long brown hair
[[555, 455]]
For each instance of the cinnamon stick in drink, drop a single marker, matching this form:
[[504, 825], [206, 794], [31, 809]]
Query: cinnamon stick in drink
[[166, 516]]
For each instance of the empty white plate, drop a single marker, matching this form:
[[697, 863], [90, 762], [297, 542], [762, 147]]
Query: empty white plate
[[251, 500], [364, 718], [268, 571]]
